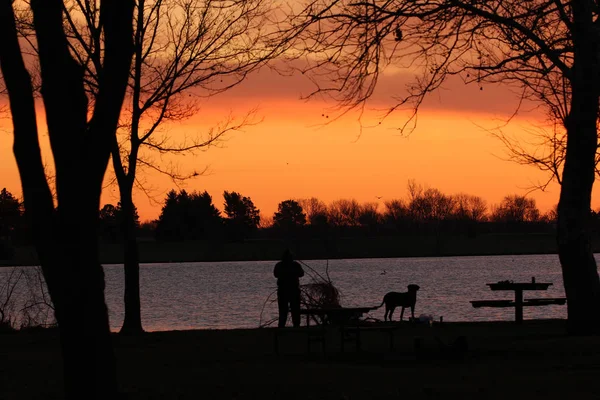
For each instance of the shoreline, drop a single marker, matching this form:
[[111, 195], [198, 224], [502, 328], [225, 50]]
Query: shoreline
[[317, 249], [35, 263]]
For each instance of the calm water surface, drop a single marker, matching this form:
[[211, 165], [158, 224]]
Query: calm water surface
[[232, 294], [227, 295]]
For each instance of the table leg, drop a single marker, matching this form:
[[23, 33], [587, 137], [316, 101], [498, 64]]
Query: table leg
[[519, 306]]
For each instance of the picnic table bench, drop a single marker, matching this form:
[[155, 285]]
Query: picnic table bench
[[340, 317], [544, 301], [315, 334], [353, 333], [518, 303], [347, 319], [336, 315]]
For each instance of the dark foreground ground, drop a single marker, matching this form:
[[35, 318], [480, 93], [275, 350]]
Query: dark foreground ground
[[503, 361]]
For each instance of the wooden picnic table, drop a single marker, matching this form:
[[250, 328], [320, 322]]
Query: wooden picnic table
[[343, 317], [336, 315], [518, 288]]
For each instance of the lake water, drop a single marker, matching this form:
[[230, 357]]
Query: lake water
[[227, 295]]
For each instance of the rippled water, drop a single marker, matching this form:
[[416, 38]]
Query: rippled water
[[232, 294]]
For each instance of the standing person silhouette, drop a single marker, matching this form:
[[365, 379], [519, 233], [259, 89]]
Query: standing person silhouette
[[288, 273]]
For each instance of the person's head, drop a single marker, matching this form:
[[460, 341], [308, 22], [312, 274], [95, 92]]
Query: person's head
[[287, 255]]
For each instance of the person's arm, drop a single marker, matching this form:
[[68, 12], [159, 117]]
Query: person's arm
[[276, 271]]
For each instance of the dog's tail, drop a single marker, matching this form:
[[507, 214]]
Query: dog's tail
[[379, 306]]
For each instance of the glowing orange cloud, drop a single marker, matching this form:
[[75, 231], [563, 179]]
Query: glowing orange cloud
[[300, 151]]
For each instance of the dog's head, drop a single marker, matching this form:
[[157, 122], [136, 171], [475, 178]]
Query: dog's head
[[413, 288]]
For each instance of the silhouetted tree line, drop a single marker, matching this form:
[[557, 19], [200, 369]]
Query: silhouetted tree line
[[188, 216], [194, 216], [546, 50]]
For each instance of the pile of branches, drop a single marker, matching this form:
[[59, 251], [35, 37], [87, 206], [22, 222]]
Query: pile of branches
[[24, 300], [319, 292]]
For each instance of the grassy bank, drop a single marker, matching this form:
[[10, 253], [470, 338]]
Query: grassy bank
[[306, 249], [535, 361]]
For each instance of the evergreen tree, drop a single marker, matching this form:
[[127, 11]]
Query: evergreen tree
[[11, 211], [242, 216], [289, 215], [188, 216]]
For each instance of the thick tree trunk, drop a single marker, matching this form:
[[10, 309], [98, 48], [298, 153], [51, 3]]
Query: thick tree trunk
[[580, 274], [81, 312], [132, 323], [66, 237]]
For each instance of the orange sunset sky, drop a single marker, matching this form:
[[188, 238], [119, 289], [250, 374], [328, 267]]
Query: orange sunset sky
[[296, 152]]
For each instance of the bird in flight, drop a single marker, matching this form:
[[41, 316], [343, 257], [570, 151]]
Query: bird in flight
[[378, 197]]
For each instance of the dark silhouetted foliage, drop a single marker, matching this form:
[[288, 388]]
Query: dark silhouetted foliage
[[289, 216], [430, 204], [344, 213], [516, 209], [242, 218], [368, 216], [11, 211], [110, 223], [11, 222], [426, 211], [396, 214], [188, 216]]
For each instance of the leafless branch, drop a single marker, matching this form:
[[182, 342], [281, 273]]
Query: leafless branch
[[185, 51], [344, 47]]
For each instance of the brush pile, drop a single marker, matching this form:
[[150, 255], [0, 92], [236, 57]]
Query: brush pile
[[319, 292]]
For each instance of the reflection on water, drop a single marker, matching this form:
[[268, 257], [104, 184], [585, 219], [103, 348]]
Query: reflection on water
[[218, 295], [232, 294]]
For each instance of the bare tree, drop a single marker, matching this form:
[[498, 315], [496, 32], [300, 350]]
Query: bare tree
[[469, 207], [515, 209], [266, 221], [24, 299], [551, 216], [8, 310], [184, 50], [396, 211], [430, 205], [368, 215], [343, 212], [543, 147], [64, 233], [415, 190], [37, 310], [548, 50], [315, 209]]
